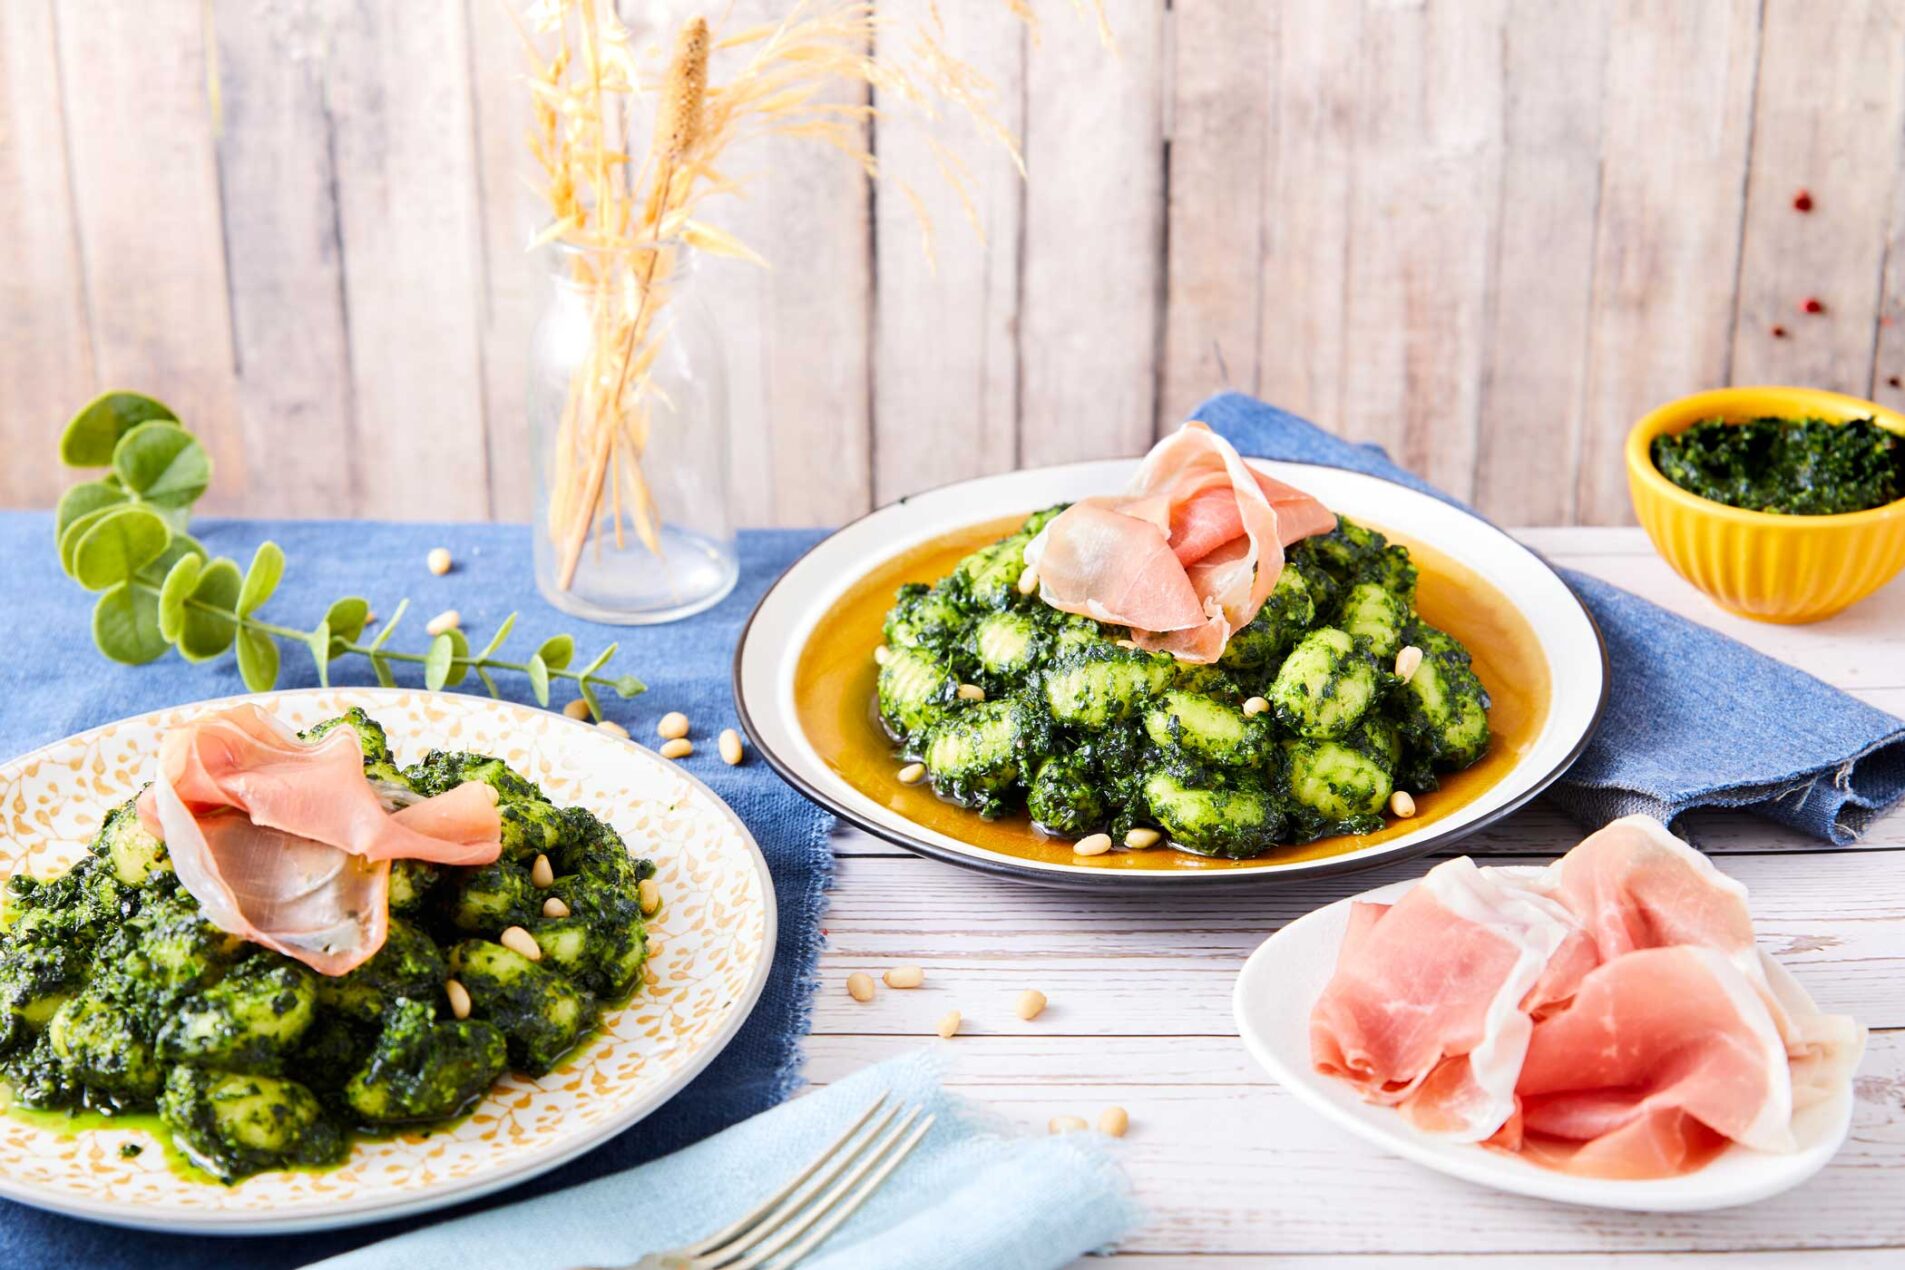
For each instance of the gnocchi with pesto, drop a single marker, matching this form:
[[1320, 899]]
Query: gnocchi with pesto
[[1333, 698]]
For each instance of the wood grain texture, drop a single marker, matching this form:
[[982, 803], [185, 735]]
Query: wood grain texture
[[945, 404], [46, 355], [1420, 218], [290, 327], [398, 81], [1677, 114], [1220, 130], [1094, 237], [1827, 117], [796, 333], [146, 203], [1487, 235], [1542, 275]]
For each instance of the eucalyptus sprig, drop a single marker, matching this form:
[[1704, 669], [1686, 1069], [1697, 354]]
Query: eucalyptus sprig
[[123, 535]]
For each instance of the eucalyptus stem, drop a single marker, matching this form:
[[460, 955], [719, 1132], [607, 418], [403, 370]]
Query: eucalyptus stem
[[122, 535]]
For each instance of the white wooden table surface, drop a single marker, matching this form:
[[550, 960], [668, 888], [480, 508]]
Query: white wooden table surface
[[1232, 1171]]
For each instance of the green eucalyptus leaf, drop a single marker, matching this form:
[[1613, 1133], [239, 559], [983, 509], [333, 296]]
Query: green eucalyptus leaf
[[118, 545], [162, 463], [70, 536], [557, 651], [319, 642], [346, 619], [629, 686], [91, 434], [496, 640], [488, 683], [87, 496], [589, 698], [267, 566], [178, 584], [258, 660], [601, 659], [539, 679], [436, 662], [126, 625], [459, 658], [207, 634], [381, 664], [403, 606], [181, 545]]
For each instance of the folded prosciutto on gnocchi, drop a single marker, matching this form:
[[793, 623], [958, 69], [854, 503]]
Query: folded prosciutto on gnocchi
[[1607, 1015]]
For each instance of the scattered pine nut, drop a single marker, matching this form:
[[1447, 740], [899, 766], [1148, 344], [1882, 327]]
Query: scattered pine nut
[[911, 773], [680, 747], [438, 560], [904, 977], [1141, 838], [1256, 705], [1113, 1121], [1402, 804], [518, 940], [860, 986], [1066, 1124], [1028, 580], [1094, 844], [613, 728], [1127, 643], [971, 692], [554, 907], [459, 998], [447, 620], [882, 655], [577, 709], [648, 892], [1408, 661], [949, 1025], [673, 725], [1031, 1004], [730, 747], [541, 873]]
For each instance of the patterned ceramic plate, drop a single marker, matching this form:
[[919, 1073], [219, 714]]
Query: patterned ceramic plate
[[713, 940]]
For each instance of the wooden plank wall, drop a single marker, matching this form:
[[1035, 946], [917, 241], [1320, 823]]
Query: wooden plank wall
[[1486, 233]]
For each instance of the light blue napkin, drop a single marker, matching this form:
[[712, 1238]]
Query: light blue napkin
[[972, 1195]]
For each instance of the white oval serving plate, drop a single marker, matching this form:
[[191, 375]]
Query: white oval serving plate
[[714, 934], [1272, 1002], [786, 617]]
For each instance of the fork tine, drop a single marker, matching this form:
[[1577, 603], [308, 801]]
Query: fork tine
[[789, 1208], [851, 1205], [851, 1190], [794, 1183]]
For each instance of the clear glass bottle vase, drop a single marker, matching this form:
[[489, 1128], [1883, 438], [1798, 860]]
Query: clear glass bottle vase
[[632, 523]]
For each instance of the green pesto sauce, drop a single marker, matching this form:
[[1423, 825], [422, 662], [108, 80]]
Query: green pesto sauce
[[1791, 467], [73, 1121]]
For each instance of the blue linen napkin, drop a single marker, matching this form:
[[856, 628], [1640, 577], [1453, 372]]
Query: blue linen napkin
[[971, 1195], [1695, 719], [54, 683]]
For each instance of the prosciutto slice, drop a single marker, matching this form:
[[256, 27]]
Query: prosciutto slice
[[287, 844], [1186, 555], [1607, 1015]]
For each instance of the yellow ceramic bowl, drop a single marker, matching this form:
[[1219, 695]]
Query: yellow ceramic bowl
[[1759, 565]]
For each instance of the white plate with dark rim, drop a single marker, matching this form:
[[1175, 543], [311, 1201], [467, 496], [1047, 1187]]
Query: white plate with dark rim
[[1271, 1003], [789, 615], [714, 935]]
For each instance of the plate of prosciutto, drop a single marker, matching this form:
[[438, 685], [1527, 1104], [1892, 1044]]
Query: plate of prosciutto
[[1601, 1031], [308, 959], [1191, 669]]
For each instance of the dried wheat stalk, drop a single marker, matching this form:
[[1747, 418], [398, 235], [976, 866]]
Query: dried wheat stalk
[[628, 216]]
